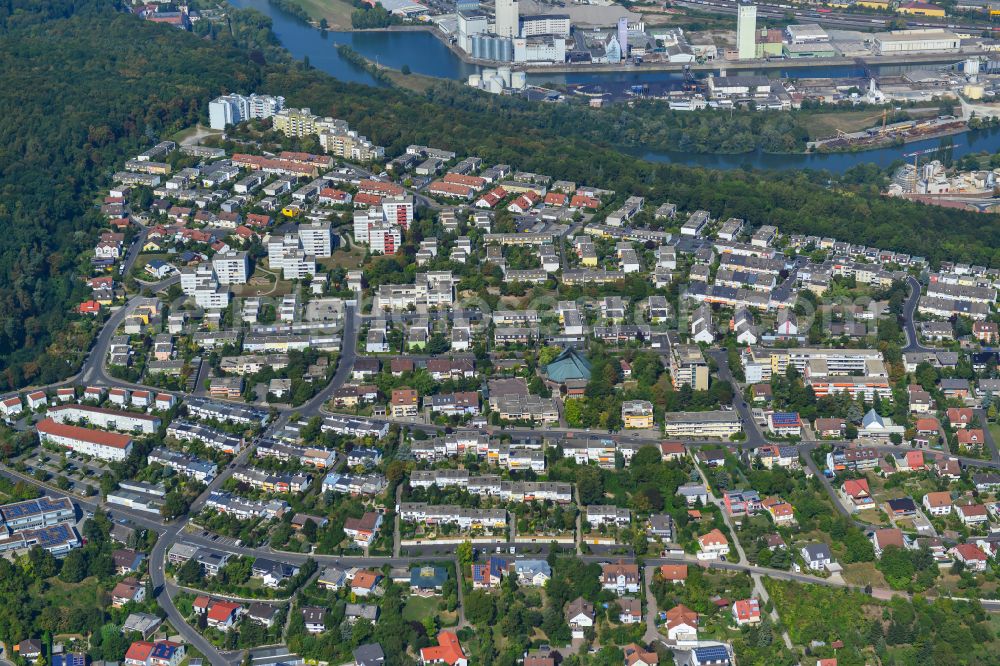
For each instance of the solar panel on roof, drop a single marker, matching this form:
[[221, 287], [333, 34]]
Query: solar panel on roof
[[711, 653]]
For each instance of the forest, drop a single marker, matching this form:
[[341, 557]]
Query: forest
[[82, 89], [80, 100]]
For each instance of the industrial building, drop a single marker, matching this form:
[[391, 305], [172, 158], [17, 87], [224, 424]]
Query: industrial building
[[915, 41]]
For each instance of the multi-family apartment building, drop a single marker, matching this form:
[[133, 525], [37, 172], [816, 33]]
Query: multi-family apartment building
[[200, 470], [243, 508], [448, 514], [274, 482], [721, 424], [105, 418], [687, 365], [189, 431], [87, 441]]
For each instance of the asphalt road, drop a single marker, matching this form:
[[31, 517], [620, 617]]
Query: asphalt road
[[909, 328], [754, 436], [165, 601]]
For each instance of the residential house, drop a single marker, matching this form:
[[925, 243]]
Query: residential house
[[674, 573], [746, 611], [363, 530], [713, 545], [970, 555], [629, 610], [972, 514], [620, 578], [128, 590], [857, 495], [884, 538], [579, 616], [938, 503], [365, 582], [817, 556], [682, 626], [448, 651], [315, 619]]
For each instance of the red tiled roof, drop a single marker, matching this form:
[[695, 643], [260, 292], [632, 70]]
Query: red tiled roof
[[220, 611], [970, 551], [364, 580], [448, 649], [668, 448], [856, 487], [674, 571], [139, 651], [113, 439], [715, 537]]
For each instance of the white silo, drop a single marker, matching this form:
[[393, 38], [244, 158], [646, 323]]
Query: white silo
[[972, 69]]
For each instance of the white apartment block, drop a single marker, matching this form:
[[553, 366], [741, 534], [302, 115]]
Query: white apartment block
[[87, 441], [398, 210], [316, 239], [598, 515], [285, 253], [233, 109], [231, 268], [105, 418], [449, 514], [384, 237]]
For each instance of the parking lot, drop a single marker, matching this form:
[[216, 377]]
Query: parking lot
[[84, 476]]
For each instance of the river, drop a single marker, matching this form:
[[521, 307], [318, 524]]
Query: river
[[425, 54]]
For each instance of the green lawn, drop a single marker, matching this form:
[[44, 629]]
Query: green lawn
[[336, 12], [417, 608], [995, 431]]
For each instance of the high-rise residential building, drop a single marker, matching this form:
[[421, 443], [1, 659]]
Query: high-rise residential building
[[398, 210], [285, 253], [343, 142], [316, 239], [384, 237], [265, 106], [226, 110], [232, 109], [746, 30], [231, 268], [362, 220], [296, 122], [508, 18], [200, 282]]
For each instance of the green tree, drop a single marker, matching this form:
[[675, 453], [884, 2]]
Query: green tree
[[464, 553], [480, 608], [74, 568], [189, 573]]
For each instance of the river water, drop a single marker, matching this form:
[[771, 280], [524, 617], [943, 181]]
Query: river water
[[425, 54]]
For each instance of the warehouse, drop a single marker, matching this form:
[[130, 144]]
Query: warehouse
[[915, 41]]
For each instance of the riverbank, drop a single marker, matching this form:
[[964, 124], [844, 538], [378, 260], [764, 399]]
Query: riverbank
[[415, 82], [878, 143], [336, 12], [706, 67], [426, 55], [711, 66]]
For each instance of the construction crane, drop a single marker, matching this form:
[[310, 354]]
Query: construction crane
[[918, 153]]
